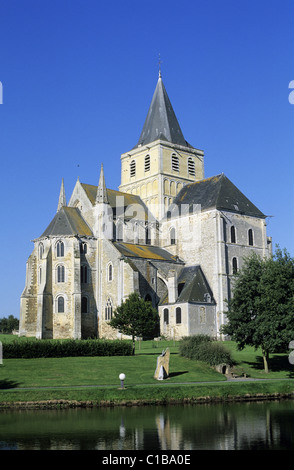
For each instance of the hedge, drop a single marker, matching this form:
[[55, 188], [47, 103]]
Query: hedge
[[28, 349]]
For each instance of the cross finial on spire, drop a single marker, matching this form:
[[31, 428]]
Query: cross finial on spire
[[159, 65]]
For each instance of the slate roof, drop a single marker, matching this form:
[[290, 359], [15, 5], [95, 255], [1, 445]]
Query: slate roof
[[217, 192], [129, 200], [192, 287], [68, 221], [161, 122], [131, 250]]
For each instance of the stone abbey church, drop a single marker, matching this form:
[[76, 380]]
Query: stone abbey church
[[168, 233]]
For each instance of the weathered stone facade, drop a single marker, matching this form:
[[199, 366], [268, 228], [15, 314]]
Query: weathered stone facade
[[169, 234]]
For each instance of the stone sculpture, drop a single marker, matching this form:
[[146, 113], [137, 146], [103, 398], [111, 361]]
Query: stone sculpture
[[162, 367]]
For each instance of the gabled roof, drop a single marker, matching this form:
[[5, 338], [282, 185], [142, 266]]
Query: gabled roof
[[130, 250], [217, 192], [67, 222], [111, 196], [161, 122], [192, 287]]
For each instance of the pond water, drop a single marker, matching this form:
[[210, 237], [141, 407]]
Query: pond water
[[235, 426]]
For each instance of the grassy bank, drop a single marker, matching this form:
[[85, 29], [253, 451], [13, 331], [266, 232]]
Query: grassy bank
[[94, 380], [147, 395]]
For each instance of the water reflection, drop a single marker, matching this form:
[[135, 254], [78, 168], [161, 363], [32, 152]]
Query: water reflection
[[243, 426]]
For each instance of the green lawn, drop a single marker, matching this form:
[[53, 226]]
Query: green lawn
[[250, 361], [187, 377], [73, 371]]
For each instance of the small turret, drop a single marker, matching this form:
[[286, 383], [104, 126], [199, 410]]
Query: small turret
[[104, 217], [101, 190], [62, 198]]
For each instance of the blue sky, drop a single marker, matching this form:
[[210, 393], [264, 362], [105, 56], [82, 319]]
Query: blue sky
[[78, 77]]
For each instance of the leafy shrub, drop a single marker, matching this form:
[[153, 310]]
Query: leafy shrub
[[189, 345], [214, 353], [203, 348], [29, 349]]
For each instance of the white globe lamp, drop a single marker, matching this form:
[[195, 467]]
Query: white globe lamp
[[122, 378]]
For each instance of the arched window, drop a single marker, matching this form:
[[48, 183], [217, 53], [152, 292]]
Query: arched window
[[166, 187], [60, 249], [235, 265], [110, 272], [178, 315], [147, 163], [60, 304], [108, 310], [166, 316], [173, 236], [173, 188], [175, 162], [60, 273], [84, 304], [147, 235], [133, 168], [233, 234], [84, 274], [250, 237], [191, 167]]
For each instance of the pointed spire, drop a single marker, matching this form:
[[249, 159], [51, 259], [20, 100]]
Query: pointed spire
[[101, 190], [62, 198], [161, 121]]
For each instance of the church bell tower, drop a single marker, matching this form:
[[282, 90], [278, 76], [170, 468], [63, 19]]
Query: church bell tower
[[162, 162]]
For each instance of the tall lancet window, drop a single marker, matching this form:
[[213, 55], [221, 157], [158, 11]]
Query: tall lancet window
[[147, 235], [110, 272], [166, 316], [233, 234], [60, 304], [250, 237], [60, 249], [84, 274], [60, 273], [84, 304], [235, 265], [108, 310]]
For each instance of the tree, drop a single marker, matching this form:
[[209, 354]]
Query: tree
[[261, 311], [7, 325], [135, 317]]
